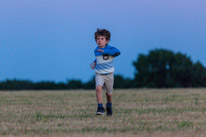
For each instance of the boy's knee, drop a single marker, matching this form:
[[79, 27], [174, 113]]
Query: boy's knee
[[108, 94], [98, 88]]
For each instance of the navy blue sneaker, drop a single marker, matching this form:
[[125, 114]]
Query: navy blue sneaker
[[109, 111], [100, 111]]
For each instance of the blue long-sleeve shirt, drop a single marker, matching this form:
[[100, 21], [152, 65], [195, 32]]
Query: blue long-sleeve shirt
[[104, 61]]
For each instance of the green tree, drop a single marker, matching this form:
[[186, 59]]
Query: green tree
[[121, 82], [16, 85], [164, 68], [45, 85], [90, 84], [74, 84], [199, 75]]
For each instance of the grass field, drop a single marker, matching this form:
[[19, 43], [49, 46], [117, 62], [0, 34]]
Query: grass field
[[138, 112]]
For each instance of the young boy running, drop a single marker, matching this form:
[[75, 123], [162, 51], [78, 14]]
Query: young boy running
[[104, 69]]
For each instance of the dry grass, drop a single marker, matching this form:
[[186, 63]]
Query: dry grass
[[142, 112]]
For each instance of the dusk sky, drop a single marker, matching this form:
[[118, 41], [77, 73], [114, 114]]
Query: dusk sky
[[53, 40]]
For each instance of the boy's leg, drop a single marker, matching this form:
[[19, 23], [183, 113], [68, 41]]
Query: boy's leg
[[109, 82], [100, 108], [109, 104], [99, 94], [109, 97], [109, 88], [99, 84]]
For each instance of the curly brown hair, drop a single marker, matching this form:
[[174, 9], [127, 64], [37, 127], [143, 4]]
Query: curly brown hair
[[102, 32]]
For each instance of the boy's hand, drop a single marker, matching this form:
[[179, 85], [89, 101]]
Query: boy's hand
[[93, 65], [100, 50]]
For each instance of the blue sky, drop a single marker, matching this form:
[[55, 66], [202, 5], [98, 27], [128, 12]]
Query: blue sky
[[54, 39]]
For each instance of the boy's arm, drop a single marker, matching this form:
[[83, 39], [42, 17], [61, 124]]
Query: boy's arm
[[112, 51], [93, 64]]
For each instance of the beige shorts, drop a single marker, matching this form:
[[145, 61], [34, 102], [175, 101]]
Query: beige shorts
[[106, 81]]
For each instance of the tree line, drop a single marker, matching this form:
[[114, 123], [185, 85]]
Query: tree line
[[120, 82], [160, 68]]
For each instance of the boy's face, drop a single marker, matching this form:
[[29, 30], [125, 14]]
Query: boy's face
[[101, 41]]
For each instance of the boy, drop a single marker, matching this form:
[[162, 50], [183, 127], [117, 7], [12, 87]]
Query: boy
[[104, 69]]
